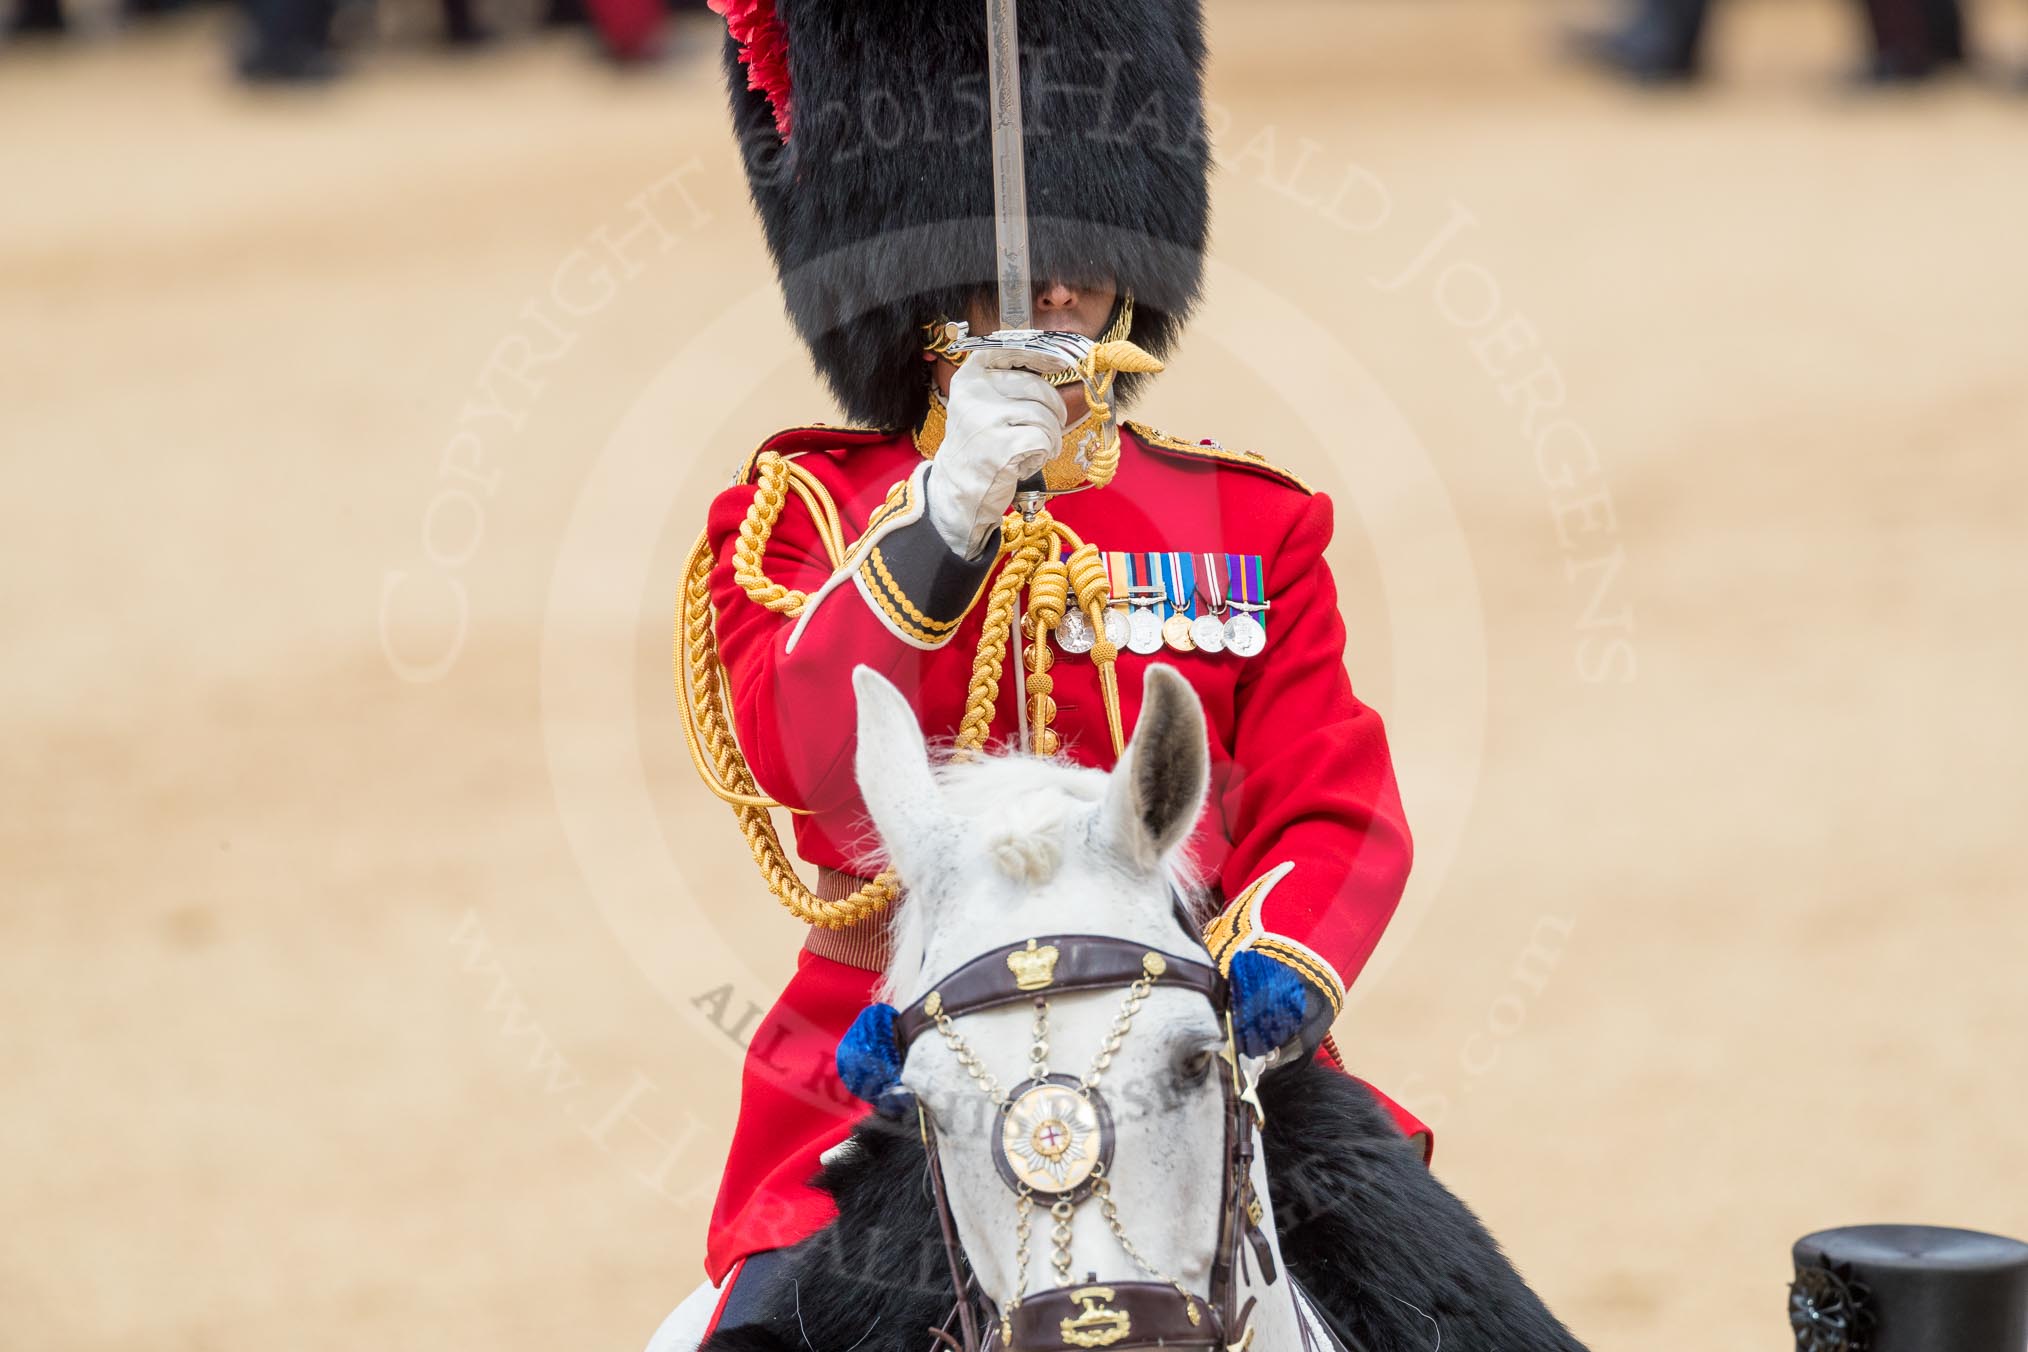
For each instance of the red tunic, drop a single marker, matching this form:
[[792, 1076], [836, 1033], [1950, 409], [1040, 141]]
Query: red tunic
[[1303, 830]]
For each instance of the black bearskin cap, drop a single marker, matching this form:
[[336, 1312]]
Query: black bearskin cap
[[878, 207]]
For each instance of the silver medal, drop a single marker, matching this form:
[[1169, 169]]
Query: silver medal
[[1144, 633], [1118, 630], [1074, 632], [1244, 635], [1209, 633]]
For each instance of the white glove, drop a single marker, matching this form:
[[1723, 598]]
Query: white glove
[[1004, 423]]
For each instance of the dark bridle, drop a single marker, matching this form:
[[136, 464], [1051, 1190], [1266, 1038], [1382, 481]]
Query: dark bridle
[[1053, 1143]]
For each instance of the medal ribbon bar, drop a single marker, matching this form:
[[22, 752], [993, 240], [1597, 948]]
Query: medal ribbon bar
[[1211, 584], [1178, 593], [1243, 572]]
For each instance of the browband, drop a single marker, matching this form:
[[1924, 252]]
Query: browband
[[1058, 962], [1123, 1315]]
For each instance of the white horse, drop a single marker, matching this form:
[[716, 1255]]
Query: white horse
[[1067, 1095], [996, 853]]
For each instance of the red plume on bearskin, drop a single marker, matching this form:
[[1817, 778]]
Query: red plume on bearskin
[[763, 50]]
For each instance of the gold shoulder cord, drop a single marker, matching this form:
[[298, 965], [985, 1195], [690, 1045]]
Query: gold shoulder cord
[[1029, 558]]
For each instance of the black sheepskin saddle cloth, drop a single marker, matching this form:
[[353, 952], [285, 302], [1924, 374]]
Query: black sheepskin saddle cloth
[[1390, 1258]]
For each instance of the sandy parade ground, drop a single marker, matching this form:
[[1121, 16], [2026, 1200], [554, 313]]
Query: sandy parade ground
[[373, 968]]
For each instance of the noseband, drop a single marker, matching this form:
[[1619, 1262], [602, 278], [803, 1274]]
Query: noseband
[[1053, 1147]]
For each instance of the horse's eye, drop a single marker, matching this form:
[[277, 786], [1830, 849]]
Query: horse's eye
[[1193, 1065]]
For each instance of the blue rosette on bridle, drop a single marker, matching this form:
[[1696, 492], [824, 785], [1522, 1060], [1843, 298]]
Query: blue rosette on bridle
[[869, 1062], [1269, 1002]]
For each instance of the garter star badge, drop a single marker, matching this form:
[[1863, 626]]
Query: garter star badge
[[1054, 1137]]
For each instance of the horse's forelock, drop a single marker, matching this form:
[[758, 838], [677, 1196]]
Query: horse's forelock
[[1035, 815]]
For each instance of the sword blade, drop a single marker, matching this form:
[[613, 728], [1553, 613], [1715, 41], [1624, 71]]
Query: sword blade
[[1010, 168]]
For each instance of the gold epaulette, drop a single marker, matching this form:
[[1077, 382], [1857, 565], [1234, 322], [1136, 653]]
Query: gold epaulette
[[1162, 441], [792, 441]]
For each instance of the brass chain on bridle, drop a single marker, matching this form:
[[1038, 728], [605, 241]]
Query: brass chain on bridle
[[1030, 558], [1052, 1143], [1064, 1209]]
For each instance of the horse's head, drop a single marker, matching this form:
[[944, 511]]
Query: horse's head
[[1079, 1089]]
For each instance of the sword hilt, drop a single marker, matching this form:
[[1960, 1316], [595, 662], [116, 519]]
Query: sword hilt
[[1055, 353], [1031, 496]]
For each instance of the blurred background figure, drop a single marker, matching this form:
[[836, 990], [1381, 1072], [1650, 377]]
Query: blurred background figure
[[37, 16], [56, 18], [287, 42], [635, 32], [1661, 41], [300, 42], [1914, 38], [629, 31]]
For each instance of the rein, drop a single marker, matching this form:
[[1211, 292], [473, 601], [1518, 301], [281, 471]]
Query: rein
[[1054, 1145]]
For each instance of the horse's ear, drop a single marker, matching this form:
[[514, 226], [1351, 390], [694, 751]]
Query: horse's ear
[[1158, 787], [893, 768]]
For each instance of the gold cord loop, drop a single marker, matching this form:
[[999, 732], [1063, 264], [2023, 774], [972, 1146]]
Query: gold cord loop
[[701, 698], [1098, 372], [1048, 594], [1024, 543], [776, 477], [1029, 550], [1028, 562]]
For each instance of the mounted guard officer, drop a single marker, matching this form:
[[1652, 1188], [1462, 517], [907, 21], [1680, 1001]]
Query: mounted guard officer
[[993, 538]]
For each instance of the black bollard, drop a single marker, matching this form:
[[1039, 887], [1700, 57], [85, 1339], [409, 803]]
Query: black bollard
[[1909, 1288]]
